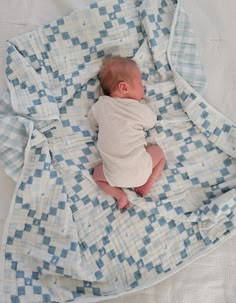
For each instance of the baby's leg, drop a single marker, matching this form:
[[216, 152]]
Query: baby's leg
[[158, 163], [116, 192]]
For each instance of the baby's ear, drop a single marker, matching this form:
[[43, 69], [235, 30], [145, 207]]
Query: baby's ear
[[123, 87]]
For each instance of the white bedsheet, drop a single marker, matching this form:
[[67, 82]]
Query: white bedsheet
[[210, 279]]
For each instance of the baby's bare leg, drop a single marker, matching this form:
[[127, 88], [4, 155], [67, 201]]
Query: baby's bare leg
[[116, 192], [158, 163]]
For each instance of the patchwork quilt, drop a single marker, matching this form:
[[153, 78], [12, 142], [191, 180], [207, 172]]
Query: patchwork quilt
[[65, 240]]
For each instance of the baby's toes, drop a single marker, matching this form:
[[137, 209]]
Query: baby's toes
[[123, 203], [127, 205], [138, 191]]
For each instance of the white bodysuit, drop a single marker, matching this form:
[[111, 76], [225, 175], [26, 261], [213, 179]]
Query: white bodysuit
[[121, 139]]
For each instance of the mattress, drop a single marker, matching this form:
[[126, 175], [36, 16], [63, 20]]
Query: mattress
[[211, 278]]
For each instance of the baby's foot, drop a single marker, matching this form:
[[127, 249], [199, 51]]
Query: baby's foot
[[145, 188], [123, 202]]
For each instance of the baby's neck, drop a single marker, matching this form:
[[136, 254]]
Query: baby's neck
[[120, 95], [116, 94]]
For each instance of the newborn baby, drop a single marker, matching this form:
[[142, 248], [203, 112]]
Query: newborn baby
[[121, 121]]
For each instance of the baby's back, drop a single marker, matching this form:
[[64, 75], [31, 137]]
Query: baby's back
[[121, 139], [121, 128]]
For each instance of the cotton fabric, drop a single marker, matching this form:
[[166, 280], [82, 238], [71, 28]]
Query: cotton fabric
[[121, 139]]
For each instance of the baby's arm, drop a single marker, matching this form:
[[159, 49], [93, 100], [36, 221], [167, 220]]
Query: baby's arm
[[92, 119], [149, 118]]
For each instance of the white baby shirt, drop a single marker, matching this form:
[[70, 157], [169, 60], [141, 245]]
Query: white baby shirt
[[121, 139]]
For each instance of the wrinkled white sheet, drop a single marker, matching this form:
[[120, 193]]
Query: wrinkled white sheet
[[211, 278]]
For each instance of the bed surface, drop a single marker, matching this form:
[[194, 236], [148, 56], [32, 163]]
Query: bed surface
[[211, 278]]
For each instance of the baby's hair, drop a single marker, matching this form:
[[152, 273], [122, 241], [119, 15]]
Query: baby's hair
[[114, 70]]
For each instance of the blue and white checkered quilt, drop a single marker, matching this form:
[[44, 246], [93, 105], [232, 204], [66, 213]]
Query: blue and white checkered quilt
[[65, 240]]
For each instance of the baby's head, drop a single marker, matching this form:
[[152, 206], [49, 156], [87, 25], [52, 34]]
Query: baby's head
[[121, 78]]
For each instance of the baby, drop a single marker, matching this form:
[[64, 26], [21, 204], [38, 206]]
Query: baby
[[121, 121]]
